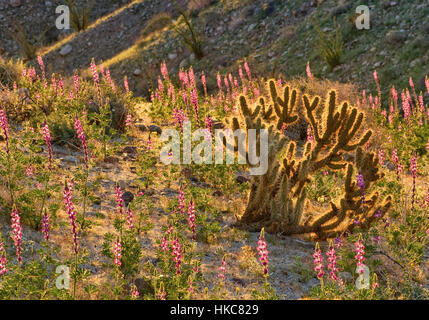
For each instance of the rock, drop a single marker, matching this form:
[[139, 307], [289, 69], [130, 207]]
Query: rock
[[141, 127], [192, 58], [217, 193], [346, 276], [251, 27], [65, 50], [69, 159], [389, 165], [242, 177], [155, 128], [218, 125], [15, 3], [128, 197], [168, 192], [130, 150], [111, 159], [172, 56], [395, 37], [137, 72], [143, 286]]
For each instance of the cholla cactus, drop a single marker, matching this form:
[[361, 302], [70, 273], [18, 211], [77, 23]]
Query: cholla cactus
[[277, 199]]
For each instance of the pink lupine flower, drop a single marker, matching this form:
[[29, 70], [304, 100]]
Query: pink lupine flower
[[360, 252], [5, 127], [46, 225], [421, 104], [222, 269], [16, 233], [241, 75], [279, 83], [179, 117], [209, 123], [109, 80], [191, 75], [411, 83], [318, 262], [135, 293], [47, 137], [164, 244], [76, 83], [263, 251], [117, 251], [71, 212], [204, 82], [219, 82], [126, 86], [128, 121], [161, 294], [29, 171], [130, 218], [226, 83], [177, 254], [332, 259], [381, 156], [181, 199], [3, 259], [160, 85], [94, 72], [164, 70], [309, 135], [82, 137], [119, 199], [406, 107], [32, 74], [246, 67], [375, 77], [192, 218], [308, 70], [42, 66], [256, 92], [194, 100]]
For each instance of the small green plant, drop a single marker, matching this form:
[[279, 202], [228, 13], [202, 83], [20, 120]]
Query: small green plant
[[330, 47]]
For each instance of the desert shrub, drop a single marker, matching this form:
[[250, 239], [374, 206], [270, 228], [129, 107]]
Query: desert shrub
[[28, 47], [156, 23], [330, 46], [79, 16], [192, 35], [10, 71]]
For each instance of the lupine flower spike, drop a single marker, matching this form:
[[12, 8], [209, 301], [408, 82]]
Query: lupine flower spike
[[263, 252], [360, 252], [332, 259], [318, 262], [16, 233], [3, 259]]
